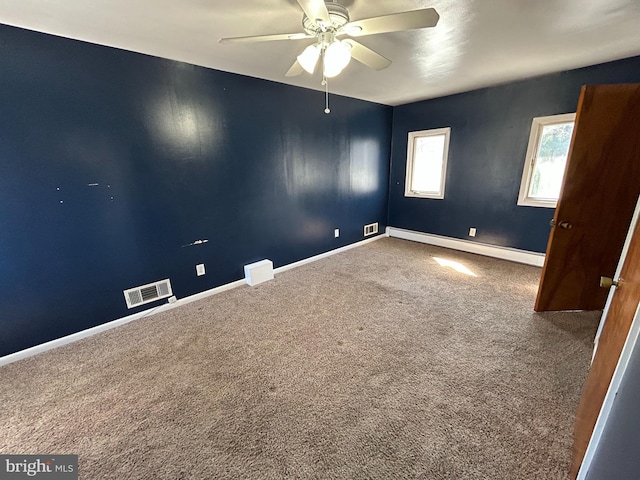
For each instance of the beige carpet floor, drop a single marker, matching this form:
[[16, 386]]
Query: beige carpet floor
[[376, 363]]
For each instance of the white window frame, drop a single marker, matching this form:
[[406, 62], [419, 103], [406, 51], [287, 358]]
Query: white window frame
[[410, 154], [532, 152]]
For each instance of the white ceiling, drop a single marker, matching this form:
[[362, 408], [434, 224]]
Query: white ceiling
[[477, 43]]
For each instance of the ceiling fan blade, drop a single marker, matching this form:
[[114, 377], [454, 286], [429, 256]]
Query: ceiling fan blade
[[396, 22], [295, 70], [367, 56], [316, 10], [265, 38]]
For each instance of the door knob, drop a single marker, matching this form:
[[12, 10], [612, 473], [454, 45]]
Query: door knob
[[607, 282], [565, 225]]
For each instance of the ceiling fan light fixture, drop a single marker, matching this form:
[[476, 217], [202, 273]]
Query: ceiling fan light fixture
[[309, 58], [326, 20], [336, 57]]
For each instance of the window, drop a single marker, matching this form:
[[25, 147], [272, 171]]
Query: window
[[545, 161], [427, 163]]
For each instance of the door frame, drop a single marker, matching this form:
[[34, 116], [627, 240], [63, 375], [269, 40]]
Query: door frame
[[607, 404], [623, 360]]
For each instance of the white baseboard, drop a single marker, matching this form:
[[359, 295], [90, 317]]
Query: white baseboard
[[58, 342], [74, 337], [328, 254], [505, 253]]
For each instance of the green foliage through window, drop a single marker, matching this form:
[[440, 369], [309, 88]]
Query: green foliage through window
[[551, 158]]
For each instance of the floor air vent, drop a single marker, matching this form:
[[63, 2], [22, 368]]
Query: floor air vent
[[370, 229], [147, 293]]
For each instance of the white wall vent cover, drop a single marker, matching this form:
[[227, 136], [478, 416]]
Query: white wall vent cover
[[258, 272], [370, 229], [148, 293]]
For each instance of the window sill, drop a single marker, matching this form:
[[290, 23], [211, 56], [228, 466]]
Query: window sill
[[434, 196], [528, 202]]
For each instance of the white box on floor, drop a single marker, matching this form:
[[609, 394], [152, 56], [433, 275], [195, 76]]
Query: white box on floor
[[258, 272]]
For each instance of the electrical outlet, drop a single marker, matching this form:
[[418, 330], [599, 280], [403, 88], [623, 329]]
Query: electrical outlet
[[336, 233], [200, 269], [472, 232]]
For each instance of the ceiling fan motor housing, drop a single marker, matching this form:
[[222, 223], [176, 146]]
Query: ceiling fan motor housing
[[338, 15]]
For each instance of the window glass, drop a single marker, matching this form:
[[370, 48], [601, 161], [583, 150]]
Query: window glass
[[549, 163], [427, 163], [543, 173]]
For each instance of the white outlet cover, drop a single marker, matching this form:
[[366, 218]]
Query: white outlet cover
[[200, 269], [472, 232], [336, 233]]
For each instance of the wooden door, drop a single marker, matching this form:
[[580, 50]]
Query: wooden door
[[598, 196], [614, 334]]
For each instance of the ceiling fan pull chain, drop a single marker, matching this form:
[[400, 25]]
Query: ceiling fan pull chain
[[327, 110]]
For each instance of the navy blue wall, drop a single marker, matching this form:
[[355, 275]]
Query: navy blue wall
[[179, 153], [489, 135]]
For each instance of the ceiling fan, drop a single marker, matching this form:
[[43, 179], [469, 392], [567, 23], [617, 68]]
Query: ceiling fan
[[328, 22]]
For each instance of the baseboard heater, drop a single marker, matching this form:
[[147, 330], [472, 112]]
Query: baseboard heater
[[258, 272]]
